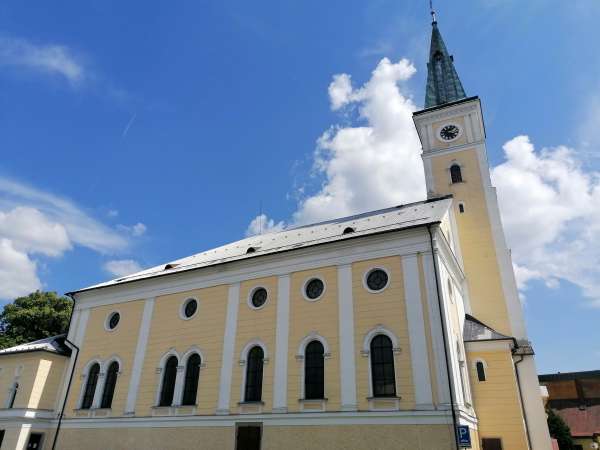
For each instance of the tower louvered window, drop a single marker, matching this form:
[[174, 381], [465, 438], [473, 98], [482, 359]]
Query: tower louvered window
[[168, 384], [110, 384], [90, 386], [456, 174], [192, 373], [382, 367]]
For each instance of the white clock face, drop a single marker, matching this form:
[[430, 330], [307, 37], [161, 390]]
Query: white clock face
[[449, 132]]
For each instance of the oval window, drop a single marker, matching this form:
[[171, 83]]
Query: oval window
[[113, 320], [377, 279], [190, 308], [314, 289], [259, 297]]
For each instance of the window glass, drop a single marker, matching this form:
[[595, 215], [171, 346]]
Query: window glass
[[113, 321], [382, 367], [254, 373], [192, 373], [13, 395], [109, 385], [480, 371], [314, 371], [314, 289], [168, 384], [191, 306], [377, 279], [90, 386], [259, 297]]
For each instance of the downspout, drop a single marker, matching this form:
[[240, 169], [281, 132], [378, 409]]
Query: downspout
[[437, 290], [521, 396], [62, 410]]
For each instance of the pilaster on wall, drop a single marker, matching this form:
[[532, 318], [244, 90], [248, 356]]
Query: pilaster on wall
[[347, 351], [281, 345], [233, 301]]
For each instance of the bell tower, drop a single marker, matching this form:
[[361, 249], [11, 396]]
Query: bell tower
[[452, 134]]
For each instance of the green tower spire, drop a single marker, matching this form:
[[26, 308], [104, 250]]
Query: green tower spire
[[443, 84]]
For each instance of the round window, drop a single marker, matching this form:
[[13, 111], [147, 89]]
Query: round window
[[259, 297], [190, 308], [377, 279], [314, 289], [113, 320]]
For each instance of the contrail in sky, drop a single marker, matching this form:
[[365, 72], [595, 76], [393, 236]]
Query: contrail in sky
[[129, 125]]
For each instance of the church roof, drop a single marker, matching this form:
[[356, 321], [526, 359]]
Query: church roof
[[53, 344], [475, 330], [443, 83], [365, 224]]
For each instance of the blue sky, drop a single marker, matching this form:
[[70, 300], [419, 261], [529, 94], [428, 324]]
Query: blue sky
[[133, 133]]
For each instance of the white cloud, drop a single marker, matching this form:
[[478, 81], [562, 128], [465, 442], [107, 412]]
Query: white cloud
[[50, 59], [550, 203], [371, 166], [33, 222], [551, 213], [135, 230], [122, 267], [112, 213], [261, 224], [17, 272]]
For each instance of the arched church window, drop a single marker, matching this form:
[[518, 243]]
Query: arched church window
[[254, 374], [314, 371], [90, 386], [456, 174], [382, 367], [13, 395], [168, 384], [192, 373], [110, 384]]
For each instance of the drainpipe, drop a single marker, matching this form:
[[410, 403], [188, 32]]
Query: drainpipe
[[73, 346], [521, 395], [437, 290]]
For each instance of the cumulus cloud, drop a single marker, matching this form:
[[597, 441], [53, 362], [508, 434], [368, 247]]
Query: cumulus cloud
[[550, 204], [34, 223], [551, 213], [372, 165], [50, 59], [122, 267], [135, 230], [261, 224], [17, 272]]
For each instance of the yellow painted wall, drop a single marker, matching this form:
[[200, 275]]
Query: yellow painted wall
[[98, 343], [387, 308], [321, 317], [169, 331], [340, 437], [40, 378], [255, 324], [476, 240], [496, 400]]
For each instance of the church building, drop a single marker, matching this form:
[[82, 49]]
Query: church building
[[392, 329]]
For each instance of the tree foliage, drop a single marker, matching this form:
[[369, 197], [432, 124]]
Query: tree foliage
[[560, 431], [36, 316]]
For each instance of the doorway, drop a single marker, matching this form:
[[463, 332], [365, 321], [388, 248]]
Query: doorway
[[248, 437], [35, 441], [491, 444]]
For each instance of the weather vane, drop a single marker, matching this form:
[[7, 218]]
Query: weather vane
[[432, 11]]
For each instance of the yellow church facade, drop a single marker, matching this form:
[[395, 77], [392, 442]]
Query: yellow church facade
[[393, 329]]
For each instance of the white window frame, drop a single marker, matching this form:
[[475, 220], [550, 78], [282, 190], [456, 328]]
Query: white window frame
[[371, 269], [244, 360], [300, 357], [366, 352]]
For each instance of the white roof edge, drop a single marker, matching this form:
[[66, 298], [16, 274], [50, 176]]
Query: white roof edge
[[364, 224]]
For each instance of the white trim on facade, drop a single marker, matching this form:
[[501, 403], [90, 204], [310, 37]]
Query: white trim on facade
[[308, 280], [183, 305], [281, 345], [251, 293], [346, 342], [138, 359], [417, 337], [233, 301], [368, 272]]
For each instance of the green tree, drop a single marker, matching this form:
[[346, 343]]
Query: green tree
[[560, 431], [38, 315]]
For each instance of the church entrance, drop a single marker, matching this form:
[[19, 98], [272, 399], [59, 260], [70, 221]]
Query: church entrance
[[248, 437]]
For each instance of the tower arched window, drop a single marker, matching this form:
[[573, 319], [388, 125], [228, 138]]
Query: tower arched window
[[168, 382], [254, 374], [382, 367], [90, 386], [110, 384], [13, 395], [314, 371], [455, 173], [479, 366], [192, 373]]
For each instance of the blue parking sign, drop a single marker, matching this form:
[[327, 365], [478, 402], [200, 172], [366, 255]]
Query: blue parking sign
[[464, 436]]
